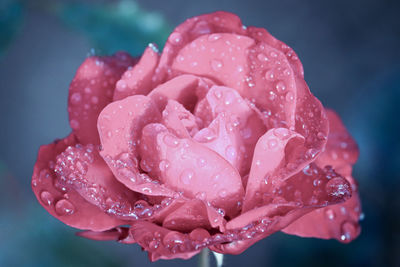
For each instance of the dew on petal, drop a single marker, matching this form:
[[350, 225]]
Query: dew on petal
[[64, 207], [170, 140], [47, 198], [186, 176]]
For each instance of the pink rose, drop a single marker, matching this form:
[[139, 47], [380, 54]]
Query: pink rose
[[216, 143]]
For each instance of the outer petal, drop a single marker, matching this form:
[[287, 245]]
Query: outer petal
[[91, 90], [64, 203], [120, 127], [338, 221], [115, 234], [139, 79], [189, 167], [341, 149], [82, 169], [291, 200], [162, 243]]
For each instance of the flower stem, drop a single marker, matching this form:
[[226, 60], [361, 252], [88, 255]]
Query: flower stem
[[204, 260]]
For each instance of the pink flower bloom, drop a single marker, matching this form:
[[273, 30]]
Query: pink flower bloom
[[216, 143]]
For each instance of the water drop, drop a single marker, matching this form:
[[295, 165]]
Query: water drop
[[216, 65], [74, 124], [47, 198], [64, 207], [289, 96], [175, 38], [348, 231], [330, 214], [214, 37], [201, 195], [230, 153], [262, 57], [272, 143], [222, 193], [321, 136], [280, 87], [186, 176], [164, 165], [153, 245], [269, 75], [76, 98], [201, 162], [170, 140], [281, 133], [95, 99]]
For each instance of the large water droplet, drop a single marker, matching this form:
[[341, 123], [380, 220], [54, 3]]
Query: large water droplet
[[186, 176], [222, 193], [280, 87], [262, 57], [47, 198], [64, 207], [289, 96], [349, 231], [175, 38], [330, 214], [164, 165], [281, 133], [214, 37], [170, 140]]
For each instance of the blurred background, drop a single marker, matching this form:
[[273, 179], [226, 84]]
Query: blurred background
[[350, 53]]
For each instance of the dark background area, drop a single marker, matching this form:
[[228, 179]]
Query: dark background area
[[350, 53]]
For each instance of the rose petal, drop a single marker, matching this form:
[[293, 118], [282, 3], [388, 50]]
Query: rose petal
[[339, 221], [189, 167], [341, 147], [139, 79], [190, 30], [115, 234], [271, 70], [263, 35], [120, 127], [221, 57], [225, 139], [311, 189], [179, 120], [91, 90], [191, 215], [290, 201], [273, 154], [83, 169], [65, 204], [162, 243], [234, 127], [185, 89]]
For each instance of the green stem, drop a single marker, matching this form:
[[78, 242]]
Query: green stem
[[204, 260]]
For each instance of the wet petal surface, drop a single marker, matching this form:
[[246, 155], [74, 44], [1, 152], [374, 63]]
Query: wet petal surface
[[91, 90]]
